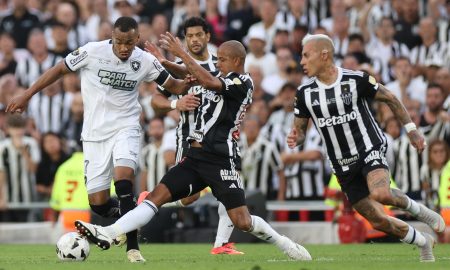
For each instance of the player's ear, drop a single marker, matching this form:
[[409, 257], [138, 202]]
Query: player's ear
[[208, 36]]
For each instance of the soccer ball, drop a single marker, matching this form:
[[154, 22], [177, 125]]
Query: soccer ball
[[72, 247]]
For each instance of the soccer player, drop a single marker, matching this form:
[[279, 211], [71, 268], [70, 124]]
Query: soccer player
[[110, 72], [197, 37], [337, 101], [210, 158]]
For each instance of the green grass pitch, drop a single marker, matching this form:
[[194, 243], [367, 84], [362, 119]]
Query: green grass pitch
[[257, 257]]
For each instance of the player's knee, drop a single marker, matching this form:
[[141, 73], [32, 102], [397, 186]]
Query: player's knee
[[242, 222], [124, 189], [381, 196]]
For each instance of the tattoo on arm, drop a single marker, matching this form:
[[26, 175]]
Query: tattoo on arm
[[301, 125], [386, 96]]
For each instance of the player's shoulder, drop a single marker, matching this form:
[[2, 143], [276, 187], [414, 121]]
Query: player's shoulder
[[308, 84], [353, 73]]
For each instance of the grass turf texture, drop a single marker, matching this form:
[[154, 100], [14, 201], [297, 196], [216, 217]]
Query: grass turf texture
[[257, 257]]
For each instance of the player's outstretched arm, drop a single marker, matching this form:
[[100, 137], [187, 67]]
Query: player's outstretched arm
[[18, 103], [298, 133], [205, 79], [415, 137], [179, 71]]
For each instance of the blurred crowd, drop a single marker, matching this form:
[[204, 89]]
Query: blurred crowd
[[404, 44]]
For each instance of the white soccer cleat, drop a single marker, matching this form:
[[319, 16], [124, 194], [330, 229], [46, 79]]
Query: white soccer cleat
[[426, 252], [120, 240], [433, 219], [135, 256], [95, 234], [295, 251]]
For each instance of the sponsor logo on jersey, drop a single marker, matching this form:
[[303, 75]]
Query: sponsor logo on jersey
[[197, 135], [78, 59], [229, 175], [116, 79], [348, 161], [208, 94], [337, 120], [135, 65]]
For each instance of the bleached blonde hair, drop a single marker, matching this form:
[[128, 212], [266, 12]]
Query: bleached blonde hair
[[324, 39]]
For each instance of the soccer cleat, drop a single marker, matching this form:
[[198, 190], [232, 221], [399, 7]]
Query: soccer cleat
[[135, 256], [95, 234], [426, 251], [142, 197], [433, 219], [228, 249], [294, 250], [120, 240]]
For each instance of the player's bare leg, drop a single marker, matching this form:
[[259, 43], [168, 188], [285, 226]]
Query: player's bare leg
[[378, 182], [372, 209]]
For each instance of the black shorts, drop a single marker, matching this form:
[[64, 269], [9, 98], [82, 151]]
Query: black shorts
[[182, 152], [200, 169], [353, 182]]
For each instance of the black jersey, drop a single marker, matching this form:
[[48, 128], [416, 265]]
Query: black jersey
[[187, 118], [342, 116], [219, 116]]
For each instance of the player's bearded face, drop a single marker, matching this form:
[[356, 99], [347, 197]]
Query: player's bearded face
[[124, 43], [196, 39]]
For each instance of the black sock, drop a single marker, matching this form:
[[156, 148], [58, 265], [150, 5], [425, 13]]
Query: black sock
[[124, 191]]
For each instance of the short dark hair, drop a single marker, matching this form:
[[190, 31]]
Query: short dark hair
[[435, 85], [16, 121], [195, 21], [126, 24], [355, 36]]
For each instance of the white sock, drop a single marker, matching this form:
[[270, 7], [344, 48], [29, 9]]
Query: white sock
[[414, 237], [133, 220], [262, 230], [224, 228], [413, 207]]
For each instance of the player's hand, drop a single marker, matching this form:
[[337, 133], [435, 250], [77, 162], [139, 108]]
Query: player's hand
[[17, 104], [188, 102], [171, 44], [151, 48], [292, 138], [417, 140]]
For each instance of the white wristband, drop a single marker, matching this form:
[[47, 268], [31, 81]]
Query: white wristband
[[410, 127], [173, 104]]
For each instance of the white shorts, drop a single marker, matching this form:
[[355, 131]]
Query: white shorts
[[101, 157]]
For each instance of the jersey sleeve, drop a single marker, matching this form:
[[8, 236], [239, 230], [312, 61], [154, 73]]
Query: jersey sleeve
[[78, 58], [233, 86], [156, 72], [367, 86], [300, 109]]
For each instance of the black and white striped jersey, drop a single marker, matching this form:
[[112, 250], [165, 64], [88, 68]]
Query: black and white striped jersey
[[187, 118], [260, 161], [407, 167], [152, 162], [342, 116], [305, 180], [20, 182], [219, 115], [28, 69], [51, 113]]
